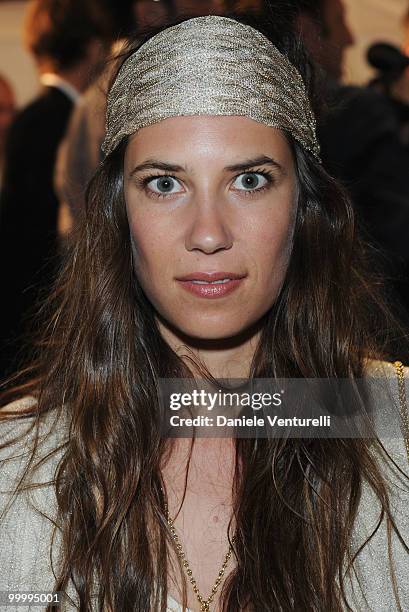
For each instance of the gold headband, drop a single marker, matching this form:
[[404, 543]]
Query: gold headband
[[209, 66]]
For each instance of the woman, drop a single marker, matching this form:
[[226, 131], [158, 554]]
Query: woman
[[213, 244]]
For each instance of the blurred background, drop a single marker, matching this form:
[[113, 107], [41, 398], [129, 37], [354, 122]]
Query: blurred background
[[54, 72], [370, 20]]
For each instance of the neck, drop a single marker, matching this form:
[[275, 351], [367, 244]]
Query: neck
[[224, 357], [79, 78]]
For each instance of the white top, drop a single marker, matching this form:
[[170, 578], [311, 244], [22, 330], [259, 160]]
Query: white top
[[25, 535], [174, 606]]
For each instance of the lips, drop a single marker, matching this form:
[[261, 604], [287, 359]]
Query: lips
[[211, 285], [211, 277]]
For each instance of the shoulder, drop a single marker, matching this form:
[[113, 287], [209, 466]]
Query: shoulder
[[22, 413], [45, 110], [389, 404], [29, 527], [26, 434], [50, 98], [28, 505], [387, 376], [377, 367], [28, 115], [363, 98], [372, 563], [14, 421]]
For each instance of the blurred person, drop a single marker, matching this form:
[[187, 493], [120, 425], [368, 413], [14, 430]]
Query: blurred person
[[67, 40], [360, 144], [80, 151], [149, 13], [7, 111], [392, 80], [326, 33]]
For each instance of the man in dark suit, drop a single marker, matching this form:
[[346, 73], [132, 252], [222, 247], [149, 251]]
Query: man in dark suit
[[360, 146], [67, 40]]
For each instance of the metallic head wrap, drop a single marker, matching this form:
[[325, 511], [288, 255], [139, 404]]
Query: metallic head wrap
[[209, 66]]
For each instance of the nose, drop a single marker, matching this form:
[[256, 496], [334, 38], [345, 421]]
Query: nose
[[208, 231]]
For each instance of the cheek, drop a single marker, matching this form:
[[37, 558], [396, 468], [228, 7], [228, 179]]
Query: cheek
[[149, 246], [271, 242]]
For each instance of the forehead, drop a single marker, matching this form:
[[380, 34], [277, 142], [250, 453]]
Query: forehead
[[210, 137]]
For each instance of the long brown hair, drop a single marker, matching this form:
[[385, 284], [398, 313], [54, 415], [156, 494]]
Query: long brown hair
[[97, 362]]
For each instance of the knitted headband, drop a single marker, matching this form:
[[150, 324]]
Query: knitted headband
[[209, 66]]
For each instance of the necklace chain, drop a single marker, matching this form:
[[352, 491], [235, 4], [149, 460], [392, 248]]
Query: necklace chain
[[205, 603], [403, 407]]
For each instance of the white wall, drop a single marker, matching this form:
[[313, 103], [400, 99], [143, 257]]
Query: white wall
[[15, 63], [372, 21]]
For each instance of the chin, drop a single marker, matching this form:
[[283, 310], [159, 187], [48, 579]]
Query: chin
[[208, 331], [195, 327]]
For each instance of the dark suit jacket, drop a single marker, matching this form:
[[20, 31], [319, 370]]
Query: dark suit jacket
[[360, 146], [28, 210]]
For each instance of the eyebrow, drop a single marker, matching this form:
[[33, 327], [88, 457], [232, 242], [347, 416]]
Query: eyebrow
[[154, 164]]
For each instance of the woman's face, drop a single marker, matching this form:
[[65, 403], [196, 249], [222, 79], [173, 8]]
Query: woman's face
[[208, 194]]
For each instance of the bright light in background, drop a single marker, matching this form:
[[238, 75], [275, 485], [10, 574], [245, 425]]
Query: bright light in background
[[372, 21]]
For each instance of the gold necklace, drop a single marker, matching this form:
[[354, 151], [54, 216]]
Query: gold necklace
[[204, 603], [403, 407]]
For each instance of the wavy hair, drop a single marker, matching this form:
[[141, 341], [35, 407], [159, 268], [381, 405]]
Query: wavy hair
[[97, 361]]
